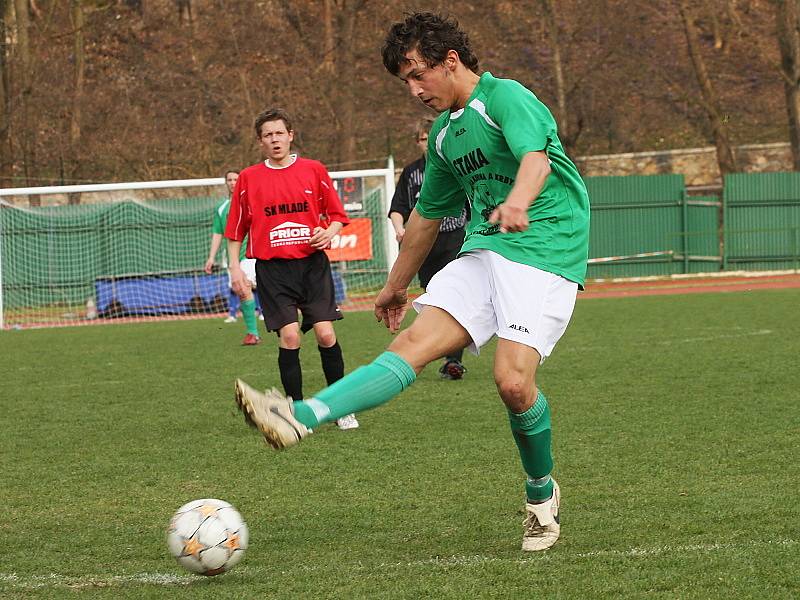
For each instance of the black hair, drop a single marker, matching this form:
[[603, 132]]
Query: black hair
[[432, 35]]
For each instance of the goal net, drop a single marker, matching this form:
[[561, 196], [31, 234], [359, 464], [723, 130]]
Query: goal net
[[93, 254]]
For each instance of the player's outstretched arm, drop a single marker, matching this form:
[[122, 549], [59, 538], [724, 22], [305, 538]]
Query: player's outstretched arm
[[392, 302]]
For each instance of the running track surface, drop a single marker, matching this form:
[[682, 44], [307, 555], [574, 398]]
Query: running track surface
[[594, 289], [699, 285]]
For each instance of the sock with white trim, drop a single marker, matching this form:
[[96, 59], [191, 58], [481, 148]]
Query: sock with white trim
[[531, 431], [366, 387]]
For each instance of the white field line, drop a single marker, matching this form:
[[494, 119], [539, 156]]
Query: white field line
[[53, 580], [711, 338], [670, 342]]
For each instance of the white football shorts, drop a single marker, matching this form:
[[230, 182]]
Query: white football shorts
[[490, 295], [248, 266]]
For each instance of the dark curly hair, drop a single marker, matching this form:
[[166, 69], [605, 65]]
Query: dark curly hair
[[272, 114], [432, 35]]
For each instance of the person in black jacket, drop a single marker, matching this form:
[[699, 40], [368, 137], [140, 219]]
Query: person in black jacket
[[448, 242]]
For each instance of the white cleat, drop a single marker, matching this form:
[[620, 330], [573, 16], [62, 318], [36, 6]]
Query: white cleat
[[347, 422], [541, 523], [272, 414], [230, 319]]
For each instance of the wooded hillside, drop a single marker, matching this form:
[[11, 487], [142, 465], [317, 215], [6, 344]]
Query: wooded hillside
[[117, 90]]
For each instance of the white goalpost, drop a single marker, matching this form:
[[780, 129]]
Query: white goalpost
[[136, 251]]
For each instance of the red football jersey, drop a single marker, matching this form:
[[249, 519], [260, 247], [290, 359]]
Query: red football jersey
[[280, 207]]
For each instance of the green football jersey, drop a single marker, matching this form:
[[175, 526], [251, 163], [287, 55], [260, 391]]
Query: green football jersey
[[218, 226], [476, 151]]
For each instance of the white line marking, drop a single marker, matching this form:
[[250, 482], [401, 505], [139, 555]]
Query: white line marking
[[670, 342], [53, 580], [711, 338]]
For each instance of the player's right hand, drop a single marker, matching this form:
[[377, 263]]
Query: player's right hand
[[209, 266], [239, 283], [390, 307]]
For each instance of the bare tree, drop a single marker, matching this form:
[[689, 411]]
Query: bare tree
[[345, 59], [78, 21], [336, 61], [6, 157], [786, 19], [329, 42], [568, 131], [708, 95], [27, 133], [184, 10]]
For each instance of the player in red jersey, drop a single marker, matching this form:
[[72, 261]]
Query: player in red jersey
[[291, 211]]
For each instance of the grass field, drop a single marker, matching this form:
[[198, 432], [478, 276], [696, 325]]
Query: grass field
[[676, 428]]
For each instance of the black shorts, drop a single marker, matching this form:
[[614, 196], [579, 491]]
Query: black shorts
[[445, 249], [286, 285]]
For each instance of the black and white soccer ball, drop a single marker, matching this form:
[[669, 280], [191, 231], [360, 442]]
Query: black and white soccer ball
[[207, 536]]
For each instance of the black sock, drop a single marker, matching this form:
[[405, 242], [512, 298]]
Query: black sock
[[332, 362], [291, 374], [457, 355]]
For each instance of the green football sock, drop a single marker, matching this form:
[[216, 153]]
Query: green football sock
[[366, 387], [531, 431], [249, 315]]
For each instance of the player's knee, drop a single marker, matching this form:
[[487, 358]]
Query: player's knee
[[290, 339], [326, 339], [515, 391]]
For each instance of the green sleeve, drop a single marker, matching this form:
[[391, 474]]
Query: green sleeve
[[527, 124], [218, 224], [441, 194]]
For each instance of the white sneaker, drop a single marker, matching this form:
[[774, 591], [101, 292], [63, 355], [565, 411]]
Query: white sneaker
[[230, 319], [347, 422], [272, 414], [261, 317], [541, 524]]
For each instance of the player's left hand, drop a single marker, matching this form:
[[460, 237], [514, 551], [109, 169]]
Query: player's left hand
[[390, 307], [512, 218], [321, 238]]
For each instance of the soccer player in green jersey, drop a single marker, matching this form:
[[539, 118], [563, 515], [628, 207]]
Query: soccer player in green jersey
[[248, 301], [516, 278]]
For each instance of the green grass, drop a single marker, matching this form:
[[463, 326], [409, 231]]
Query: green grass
[[676, 422]]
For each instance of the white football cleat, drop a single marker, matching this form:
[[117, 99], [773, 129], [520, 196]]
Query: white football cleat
[[347, 422], [230, 319], [541, 523], [272, 414]]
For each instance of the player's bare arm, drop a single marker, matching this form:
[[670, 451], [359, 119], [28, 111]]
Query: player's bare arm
[[392, 302], [399, 227], [322, 236], [216, 241], [239, 282], [512, 214]]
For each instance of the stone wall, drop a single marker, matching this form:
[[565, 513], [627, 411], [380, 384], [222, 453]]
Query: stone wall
[[697, 165]]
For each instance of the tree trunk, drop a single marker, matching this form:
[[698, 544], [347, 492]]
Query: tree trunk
[[786, 18], [329, 40], [345, 57], [725, 158], [78, 21], [6, 158], [27, 135], [245, 146], [567, 135]]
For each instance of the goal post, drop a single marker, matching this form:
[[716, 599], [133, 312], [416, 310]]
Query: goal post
[[136, 251]]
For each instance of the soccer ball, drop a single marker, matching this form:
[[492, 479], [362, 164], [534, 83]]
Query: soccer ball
[[207, 536]]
